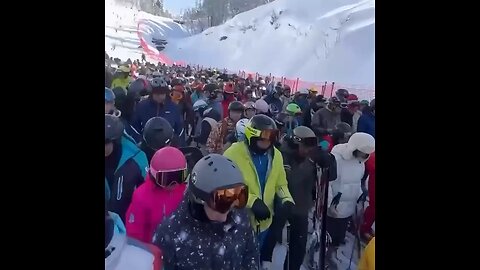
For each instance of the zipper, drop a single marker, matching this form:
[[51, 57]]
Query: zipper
[[119, 188], [256, 174]]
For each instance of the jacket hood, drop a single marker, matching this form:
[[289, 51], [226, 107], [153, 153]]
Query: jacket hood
[[360, 141], [129, 150]]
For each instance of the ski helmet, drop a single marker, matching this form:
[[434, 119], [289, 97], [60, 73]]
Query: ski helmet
[[120, 96], [364, 102], [249, 105], [261, 106], [281, 119], [362, 142], [342, 95], [199, 104], [160, 85], [157, 133], [261, 126], [341, 133], [113, 128], [293, 109], [303, 135], [109, 95], [303, 92], [168, 166], [352, 99], [140, 86], [240, 129], [228, 88], [236, 106], [217, 182], [156, 74]]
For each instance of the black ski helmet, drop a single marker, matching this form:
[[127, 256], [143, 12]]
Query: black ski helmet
[[140, 86], [341, 133], [236, 106], [157, 133], [254, 129], [160, 85], [120, 97], [113, 128], [342, 95]]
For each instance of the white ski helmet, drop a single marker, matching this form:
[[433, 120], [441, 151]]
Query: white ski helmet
[[261, 106], [240, 129], [199, 104]]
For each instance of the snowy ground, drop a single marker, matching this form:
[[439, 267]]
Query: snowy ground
[[328, 40]]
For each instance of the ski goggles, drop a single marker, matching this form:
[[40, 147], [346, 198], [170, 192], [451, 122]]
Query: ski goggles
[[222, 200], [266, 134], [308, 142], [169, 178]]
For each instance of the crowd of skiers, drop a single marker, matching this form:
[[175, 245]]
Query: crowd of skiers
[[204, 170]]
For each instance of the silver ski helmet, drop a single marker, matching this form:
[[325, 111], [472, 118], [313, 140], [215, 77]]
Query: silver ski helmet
[[217, 182]]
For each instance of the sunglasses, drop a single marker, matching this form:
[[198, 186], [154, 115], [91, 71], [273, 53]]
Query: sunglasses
[[222, 200], [169, 178]]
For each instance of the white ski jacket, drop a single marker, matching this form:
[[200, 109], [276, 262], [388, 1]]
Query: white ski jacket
[[349, 174], [126, 256]]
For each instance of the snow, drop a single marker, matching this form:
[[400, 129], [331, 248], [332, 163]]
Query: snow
[[329, 40], [316, 41]]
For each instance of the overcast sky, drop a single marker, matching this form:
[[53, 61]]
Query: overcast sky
[[175, 6]]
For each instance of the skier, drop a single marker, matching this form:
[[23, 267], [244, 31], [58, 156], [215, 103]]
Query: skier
[[158, 104], [349, 114], [346, 190], [125, 103], [240, 130], [228, 97], [125, 165], [157, 134], [274, 101], [291, 122], [366, 123], [122, 252], [301, 174], [317, 103], [218, 135], [215, 97], [366, 229], [340, 134], [198, 93], [342, 95], [250, 109], [324, 120], [122, 78], [209, 122], [266, 178], [159, 195], [286, 97], [301, 99], [210, 229]]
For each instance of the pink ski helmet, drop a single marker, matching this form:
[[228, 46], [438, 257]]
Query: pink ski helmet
[[168, 166]]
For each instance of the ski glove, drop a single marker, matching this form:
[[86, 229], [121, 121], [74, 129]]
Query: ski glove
[[336, 200], [260, 210], [363, 197], [281, 217]]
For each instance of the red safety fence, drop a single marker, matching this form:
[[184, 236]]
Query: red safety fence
[[327, 89]]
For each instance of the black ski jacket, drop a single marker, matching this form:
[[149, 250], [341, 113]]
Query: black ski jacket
[[189, 243]]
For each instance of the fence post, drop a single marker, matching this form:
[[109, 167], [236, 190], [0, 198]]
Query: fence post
[[333, 86], [296, 88]]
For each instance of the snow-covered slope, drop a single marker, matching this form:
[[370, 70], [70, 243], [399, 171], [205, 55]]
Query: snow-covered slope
[[122, 30], [316, 40]]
